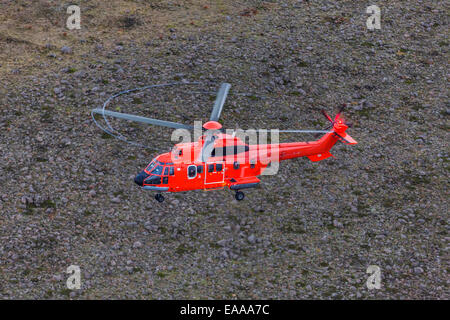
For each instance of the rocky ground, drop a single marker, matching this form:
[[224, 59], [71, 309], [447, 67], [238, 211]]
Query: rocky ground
[[67, 195]]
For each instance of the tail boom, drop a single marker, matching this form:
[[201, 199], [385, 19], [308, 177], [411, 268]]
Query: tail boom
[[313, 150]]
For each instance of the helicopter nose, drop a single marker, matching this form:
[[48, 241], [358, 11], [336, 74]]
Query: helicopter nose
[[139, 179]]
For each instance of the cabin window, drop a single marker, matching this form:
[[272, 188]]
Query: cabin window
[[166, 171], [171, 171], [192, 171], [219, 167], [229, 150], [210, 167], [236, 165], [240, 149], [165, 180], [199, 169]]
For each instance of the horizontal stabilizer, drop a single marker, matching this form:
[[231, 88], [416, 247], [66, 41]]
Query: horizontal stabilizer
[[349, 139]]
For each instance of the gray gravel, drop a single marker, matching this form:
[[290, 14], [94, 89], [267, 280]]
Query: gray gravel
[[67, 195]]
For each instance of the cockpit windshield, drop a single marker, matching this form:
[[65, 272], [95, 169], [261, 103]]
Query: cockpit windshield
[[157, 170], [151, 166]]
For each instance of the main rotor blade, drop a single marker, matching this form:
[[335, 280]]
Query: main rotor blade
[[326, 115], [207, 149], [220, 101], [305, 131], [131, 117], [340, 111]]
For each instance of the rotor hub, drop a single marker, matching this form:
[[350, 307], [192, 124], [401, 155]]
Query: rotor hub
[[340, 126], [212, 125]]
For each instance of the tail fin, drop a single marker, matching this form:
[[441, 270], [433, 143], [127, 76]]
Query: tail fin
[[339, 126]]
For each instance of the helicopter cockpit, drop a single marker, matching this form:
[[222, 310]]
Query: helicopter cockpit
[[155, 173]]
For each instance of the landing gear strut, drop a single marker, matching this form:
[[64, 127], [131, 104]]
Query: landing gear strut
[[159, 197], [239, 195]]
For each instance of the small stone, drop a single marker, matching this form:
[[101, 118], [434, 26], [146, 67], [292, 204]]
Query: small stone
[[137, 245], [251, 238], [337, 224], [66, 142], [222, 242], [115, 200], [148, 226], [26, 200], [418, 270], [66, 50], [301, 92], [57, 277]]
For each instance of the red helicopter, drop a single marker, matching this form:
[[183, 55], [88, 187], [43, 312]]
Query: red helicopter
[[220, 160]]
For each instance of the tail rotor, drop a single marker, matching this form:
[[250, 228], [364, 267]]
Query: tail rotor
[[336, 118], [339, 125]]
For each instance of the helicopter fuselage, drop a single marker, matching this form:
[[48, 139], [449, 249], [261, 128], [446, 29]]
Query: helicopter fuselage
[[231, 163]]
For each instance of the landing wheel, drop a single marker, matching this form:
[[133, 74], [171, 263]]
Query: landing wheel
[[159, 197], [239, 195]]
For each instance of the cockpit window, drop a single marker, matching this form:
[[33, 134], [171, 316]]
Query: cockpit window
[[151, 166], [157, 170], [153, 180]]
